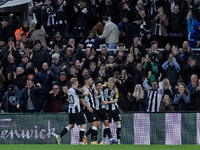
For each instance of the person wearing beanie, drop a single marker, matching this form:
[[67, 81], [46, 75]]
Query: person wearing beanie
[[40, 55], [7, 29], [23, 29]]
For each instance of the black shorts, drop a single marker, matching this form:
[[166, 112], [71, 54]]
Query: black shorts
[[102, 114], [114, 114], [77, 118], [91, 117]]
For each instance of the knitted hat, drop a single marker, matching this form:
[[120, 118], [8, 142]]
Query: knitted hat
[[140, 2]]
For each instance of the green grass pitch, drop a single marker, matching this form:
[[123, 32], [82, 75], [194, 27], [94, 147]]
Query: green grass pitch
[[99, 147]]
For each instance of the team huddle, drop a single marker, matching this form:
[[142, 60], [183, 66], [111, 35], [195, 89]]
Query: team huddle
[[100, 103]]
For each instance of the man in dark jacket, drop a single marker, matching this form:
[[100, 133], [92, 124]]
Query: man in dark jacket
[[195, 95], [40, 55], [81, 13], [11, 99], [29, 97], [133, 29], [176, 21]]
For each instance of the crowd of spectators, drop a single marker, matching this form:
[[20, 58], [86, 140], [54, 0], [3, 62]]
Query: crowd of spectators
[[37, 60]]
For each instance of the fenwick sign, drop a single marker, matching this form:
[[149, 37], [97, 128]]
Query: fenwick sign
[[32, 129], [32, 132]]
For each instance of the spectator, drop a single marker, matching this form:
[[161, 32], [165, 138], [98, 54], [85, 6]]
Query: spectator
[[81, 14], [63, 14], [88, 41], [186, 50], [189, 20], [145, 27], [191, 67], [122, 25], [104, 54], [166, 104], [133, 30], [182, 99], [137, 44], [155, 94], [168, 89], [107, 8], [98, 28], [103, 73], [58, 40], [193, 36], [155, 55], [24, 29], [119, 59], [11, 50], [40, 55], [11, 99], [191, 86], [93, 70], [26, 65], [45, 77], [150, 66], [178, 55], [54, 100], [111, 65], [172, 69], [159, 23], [121, 48], [139, 74], [7, 30], [110, 33], [28, 97], [176, 19], [63, 80], [139, 7], [125, 11], [195, 96], [57, 65], [167, 51], [70, 58], [39, 34], [48, 16], [19, 78], [138, 99], [129, 64]]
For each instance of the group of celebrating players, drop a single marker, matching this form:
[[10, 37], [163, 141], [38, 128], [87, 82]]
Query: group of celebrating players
[[100, 103]]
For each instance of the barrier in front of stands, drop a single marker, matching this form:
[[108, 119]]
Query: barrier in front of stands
[[137, 128]]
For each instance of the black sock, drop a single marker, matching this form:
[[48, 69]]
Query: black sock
[[118, 133], [81, 135], [109, 133], [104, 133], [63, 132], [88, 132], [93, 135]]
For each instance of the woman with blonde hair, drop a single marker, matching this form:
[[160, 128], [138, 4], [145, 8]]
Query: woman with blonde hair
[[138, 99], [182, 98], [167, 86]]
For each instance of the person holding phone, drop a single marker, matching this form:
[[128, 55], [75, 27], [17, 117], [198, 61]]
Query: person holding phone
[[138, 99]]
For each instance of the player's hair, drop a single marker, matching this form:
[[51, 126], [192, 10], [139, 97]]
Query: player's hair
[[111, 79], [73, 80]]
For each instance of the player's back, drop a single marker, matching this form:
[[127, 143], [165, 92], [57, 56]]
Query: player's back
[[74, 100]]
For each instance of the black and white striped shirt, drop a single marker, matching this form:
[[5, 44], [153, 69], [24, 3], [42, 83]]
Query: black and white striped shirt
[[90, 98], [74, 100], [110, 96], [98, 99]]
